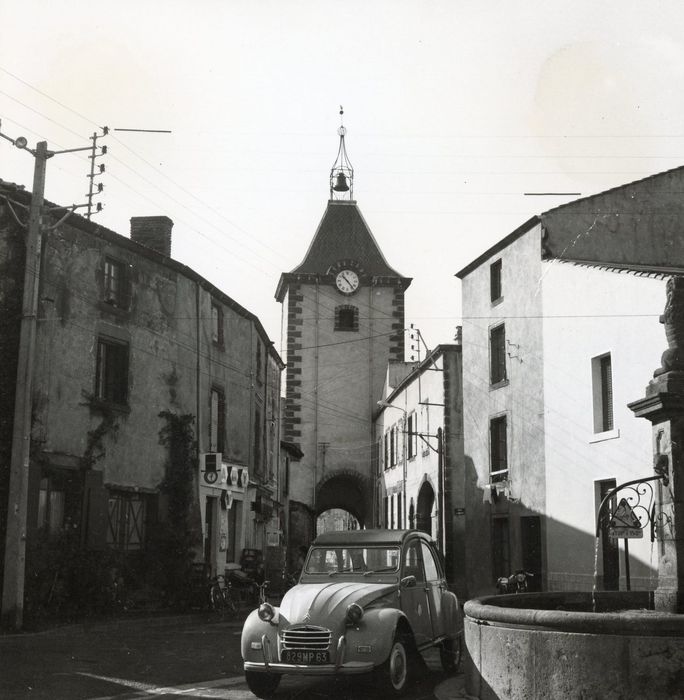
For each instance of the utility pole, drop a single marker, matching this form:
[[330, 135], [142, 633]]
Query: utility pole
[[15, 542], [14, 572]]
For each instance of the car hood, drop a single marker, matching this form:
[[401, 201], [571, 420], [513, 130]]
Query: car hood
[[325, 603]]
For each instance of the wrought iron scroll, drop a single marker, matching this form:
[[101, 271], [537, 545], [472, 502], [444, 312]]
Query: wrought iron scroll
[[640, 496]]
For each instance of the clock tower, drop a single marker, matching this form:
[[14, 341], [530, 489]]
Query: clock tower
[[343, 321]]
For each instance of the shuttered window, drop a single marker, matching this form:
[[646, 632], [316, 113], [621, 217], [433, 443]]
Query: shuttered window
[[606, 393], [602, 391], [497, 354], [498, 449]]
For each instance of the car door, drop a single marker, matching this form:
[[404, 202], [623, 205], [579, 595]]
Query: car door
[[414, 598], [435, 585]]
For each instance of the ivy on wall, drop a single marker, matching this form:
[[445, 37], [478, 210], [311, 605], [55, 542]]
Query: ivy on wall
[[175, 538]]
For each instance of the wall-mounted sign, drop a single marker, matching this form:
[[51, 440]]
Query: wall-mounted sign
[[624, 523]]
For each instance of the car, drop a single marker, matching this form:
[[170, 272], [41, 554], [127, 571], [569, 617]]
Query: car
[[367, 601]]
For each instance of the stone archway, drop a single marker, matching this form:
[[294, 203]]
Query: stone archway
[[426, 502], [347, 490]]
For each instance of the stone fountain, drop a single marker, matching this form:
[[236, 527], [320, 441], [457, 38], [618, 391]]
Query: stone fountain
[[608, 645]]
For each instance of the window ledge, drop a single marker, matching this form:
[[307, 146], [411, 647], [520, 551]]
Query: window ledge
[[114, 309], [496, 302], [607, 435], [498, 385], [105, 405]]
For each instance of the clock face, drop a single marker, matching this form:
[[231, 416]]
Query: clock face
[[347, 281]]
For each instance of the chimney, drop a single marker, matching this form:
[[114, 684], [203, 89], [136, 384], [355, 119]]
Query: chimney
[[153, 232]]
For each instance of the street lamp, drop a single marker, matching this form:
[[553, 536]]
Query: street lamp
[[387, 404]]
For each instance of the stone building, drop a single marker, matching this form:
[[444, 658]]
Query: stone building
[[560, 327], [152, 387], [343, 307], [422, 480]]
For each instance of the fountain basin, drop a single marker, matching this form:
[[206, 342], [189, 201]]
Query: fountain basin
[[553, 645]]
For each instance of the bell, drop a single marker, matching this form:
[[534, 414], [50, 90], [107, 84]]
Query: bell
[[341, 185]]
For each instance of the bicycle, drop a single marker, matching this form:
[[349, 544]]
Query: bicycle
[[220, 596]]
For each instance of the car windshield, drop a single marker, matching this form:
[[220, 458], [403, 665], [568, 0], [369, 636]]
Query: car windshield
[[333, 561]]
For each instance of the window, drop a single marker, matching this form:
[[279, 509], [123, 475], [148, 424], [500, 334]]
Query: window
[[412, 447], [393, 443], [217, 421], [498, 448], [346, 318], [111, 373], [602, 385], [259, 367], [497, 354], [258, 467], [51, 499], [127, 515], [425, 422], [216, 324], [386, 511], [399, 521], [386, 456], [431, 568], [495, 281], [115, 284], [392, 511]]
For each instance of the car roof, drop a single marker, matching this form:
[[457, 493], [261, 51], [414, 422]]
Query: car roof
[[365, 537]]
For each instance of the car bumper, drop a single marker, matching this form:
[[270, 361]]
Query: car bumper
[[349, 668]]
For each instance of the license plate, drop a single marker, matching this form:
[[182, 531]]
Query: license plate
[[297, 656]]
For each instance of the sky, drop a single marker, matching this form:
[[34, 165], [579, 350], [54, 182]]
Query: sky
[[456, 112]]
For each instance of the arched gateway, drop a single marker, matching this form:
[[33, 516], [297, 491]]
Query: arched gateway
[[343, 321], [347, 490]]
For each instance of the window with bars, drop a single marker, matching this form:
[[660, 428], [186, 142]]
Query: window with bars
[[602, 389], [127, 519], [111, 373], [495, 281], [498, 449], [497, 354]]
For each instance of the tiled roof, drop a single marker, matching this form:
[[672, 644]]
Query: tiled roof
[[344, 235], [635, 224]]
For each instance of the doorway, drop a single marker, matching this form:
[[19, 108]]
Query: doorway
[[610, 558], [530, 540]]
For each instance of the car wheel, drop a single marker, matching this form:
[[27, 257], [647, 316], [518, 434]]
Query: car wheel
[[450, 654], [395, 671], [263, 685]]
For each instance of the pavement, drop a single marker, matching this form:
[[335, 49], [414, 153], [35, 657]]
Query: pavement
[[452, 689]]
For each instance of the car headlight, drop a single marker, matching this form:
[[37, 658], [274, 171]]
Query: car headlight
[[266, 612], [354, 614]]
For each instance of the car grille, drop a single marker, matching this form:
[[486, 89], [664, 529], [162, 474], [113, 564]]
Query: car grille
[[313, 638]]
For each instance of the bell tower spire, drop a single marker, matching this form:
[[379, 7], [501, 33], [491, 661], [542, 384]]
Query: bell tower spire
[[342, 172]]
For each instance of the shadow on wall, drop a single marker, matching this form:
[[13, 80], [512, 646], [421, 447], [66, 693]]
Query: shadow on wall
[[502, 535]]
